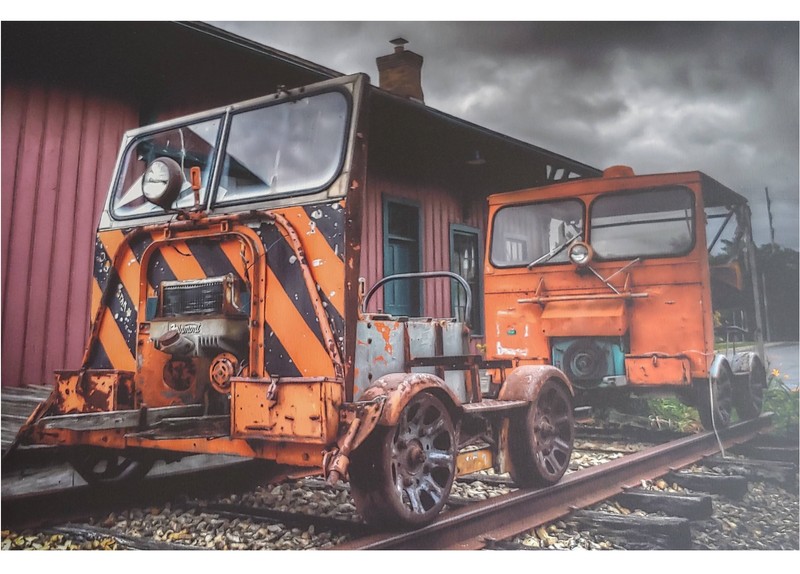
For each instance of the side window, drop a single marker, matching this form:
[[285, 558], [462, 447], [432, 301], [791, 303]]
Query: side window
[[401, 254], [466, 255]]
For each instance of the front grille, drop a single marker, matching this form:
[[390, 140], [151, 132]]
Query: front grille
[[204, 297]]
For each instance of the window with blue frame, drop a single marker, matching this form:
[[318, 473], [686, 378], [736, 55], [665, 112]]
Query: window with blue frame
[[401, 254], [466, 254]]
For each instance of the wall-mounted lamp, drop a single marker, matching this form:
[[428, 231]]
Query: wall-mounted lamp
[[476, 159]]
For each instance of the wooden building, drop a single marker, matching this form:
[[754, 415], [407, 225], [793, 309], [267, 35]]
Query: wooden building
[[71, 89]]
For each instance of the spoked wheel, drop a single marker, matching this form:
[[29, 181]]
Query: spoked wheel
[[749, 382], [106, 466], [716, 407], [540, 442], [401, 476]]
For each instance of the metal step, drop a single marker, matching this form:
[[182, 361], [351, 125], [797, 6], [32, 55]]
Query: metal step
[[118, 419], [213, 426]]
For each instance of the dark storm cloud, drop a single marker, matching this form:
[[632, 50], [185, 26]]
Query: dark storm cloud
[[720, 97]]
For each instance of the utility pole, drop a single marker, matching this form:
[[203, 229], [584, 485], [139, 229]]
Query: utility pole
[[763, 274], [769, 214]]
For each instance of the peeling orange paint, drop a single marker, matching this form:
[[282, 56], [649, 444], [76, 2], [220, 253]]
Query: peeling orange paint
[[385, 332]]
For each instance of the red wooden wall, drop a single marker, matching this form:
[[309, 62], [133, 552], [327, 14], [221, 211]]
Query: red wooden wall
[[438, 209], [58, 152]]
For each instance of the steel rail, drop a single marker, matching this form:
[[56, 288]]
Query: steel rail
[[510, 514]]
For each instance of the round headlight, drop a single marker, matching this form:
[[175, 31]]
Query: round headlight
[[580, 254], [162, 181]]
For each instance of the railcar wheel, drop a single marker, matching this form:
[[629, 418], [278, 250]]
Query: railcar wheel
[[401, 476], [540, 442], [105, 466], [749, 382], [716, 411]]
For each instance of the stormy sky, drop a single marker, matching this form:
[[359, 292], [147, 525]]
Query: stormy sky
[[719, 97]]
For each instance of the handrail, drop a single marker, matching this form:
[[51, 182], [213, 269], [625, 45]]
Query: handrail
[[423, 275], [548, 299]]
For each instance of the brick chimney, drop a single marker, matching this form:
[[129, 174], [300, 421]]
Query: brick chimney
[[401, 72]]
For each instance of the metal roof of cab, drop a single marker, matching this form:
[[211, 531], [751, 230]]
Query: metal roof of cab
[[715, 194]]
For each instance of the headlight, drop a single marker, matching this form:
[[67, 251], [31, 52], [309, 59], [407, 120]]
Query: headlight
[[162, 181], [580, 254]]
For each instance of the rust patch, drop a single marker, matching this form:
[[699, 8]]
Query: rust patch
[[180, 375], [386, 332], [93, 391], [99, 392], [525, 383], [399, 388]]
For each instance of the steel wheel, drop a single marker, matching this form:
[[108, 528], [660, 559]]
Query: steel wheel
[[721, 406], [105, 466], [401, 476], [749, 382], [540, 442]]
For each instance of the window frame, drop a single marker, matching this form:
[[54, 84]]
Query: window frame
[[170, 126], [477, 297], [623, 192], [577, 199], [387, 200], [262, 199]]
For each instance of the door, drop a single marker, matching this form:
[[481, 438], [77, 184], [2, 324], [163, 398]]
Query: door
[[401, 254]]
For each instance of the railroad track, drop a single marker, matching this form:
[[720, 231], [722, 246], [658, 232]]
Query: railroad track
[[470, 528], [467, 524]]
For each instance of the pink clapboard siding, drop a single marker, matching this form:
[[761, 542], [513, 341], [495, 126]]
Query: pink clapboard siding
[[439, 208], [58, 152]]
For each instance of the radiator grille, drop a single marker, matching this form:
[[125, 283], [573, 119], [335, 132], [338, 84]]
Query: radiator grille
[[193, 298]]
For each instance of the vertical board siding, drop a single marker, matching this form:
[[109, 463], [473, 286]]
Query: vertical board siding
[[13, 99], [59, 149], [45, 213], [59, 311], [438, 209], [16, 272]]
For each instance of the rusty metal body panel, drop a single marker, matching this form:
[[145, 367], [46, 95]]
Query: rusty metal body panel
[[638, 320], [386, 345], [302, 411], [93, 391]]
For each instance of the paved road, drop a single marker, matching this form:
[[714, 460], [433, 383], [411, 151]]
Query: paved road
[[785, 357]]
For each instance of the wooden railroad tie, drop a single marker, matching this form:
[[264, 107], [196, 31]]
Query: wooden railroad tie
[[691, 506], [730, 486], [638, 532]]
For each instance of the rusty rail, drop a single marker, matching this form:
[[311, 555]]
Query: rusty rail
[[508, 515]]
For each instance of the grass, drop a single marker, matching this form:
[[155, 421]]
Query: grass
[[785, 403], [779, 399], [720, 346], [677, 414]]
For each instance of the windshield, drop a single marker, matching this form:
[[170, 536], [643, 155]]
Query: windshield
[[642, 223], [523, 234], [192, 145], [292, 147]]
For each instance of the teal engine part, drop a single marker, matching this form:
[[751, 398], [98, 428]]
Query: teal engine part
[[590, 361]]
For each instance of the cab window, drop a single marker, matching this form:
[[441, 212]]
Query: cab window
[[642, 223]]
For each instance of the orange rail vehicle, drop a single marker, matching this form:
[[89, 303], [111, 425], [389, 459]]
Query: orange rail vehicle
[[229, 319], [620, 281]]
